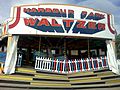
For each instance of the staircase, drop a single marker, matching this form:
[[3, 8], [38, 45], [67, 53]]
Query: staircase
[[25, 78], [96, 79]]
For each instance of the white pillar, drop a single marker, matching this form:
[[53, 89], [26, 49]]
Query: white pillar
[[11, 57], [112, 61]]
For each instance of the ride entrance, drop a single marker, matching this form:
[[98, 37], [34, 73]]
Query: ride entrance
[[59, 38]]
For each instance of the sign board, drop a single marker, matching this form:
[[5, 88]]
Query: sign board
[[62, 20]]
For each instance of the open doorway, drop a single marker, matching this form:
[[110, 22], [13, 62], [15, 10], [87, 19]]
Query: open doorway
[[61, 48]]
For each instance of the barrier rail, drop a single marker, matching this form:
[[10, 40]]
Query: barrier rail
[[69, 66], [19, 60]]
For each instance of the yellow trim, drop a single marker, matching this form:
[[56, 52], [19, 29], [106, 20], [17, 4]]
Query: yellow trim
[[31, 71], [85, 80], [11, 77], [52, 77], [104, 74], [112, 81], [50, 84], [57, 82], [81, 74]]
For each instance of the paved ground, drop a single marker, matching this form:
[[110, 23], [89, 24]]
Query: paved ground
[[118, 88]]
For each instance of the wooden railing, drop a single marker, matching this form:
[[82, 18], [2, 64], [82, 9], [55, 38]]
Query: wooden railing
[[69, 66]]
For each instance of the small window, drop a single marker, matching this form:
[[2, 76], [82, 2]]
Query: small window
[[74, 52], [53, 51]]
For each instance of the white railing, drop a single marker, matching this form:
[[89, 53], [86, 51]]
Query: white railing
[[19, 60], [43, 63], [69, 66]]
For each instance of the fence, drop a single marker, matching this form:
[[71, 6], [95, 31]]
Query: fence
[[69, 66]]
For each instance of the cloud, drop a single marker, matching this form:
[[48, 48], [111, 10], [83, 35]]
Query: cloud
[[4, 10], [5, 5], [115, 2], [0, 18], [19, 2]]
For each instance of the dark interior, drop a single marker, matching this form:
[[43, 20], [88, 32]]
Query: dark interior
[[59, 47]]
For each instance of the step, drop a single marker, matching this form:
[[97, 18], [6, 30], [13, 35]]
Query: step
[[46, 79], [13, 81], [16, 77], [10, 85], [80, 73], [51, 77], [77, 80], [47, 84], [23, 73], [50, 73], [58, 82], [104, 73], [26, 70], [32, 72], [88, 82], [35, 86], [110, 81], [109, 77], [83, 76], [101, 70], [47, 74], [113, 81], [95, 86]]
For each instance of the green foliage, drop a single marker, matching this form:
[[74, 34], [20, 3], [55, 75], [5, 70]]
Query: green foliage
[[118, 45]]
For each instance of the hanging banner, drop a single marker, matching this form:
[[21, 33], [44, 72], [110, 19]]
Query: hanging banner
[[64, 20]]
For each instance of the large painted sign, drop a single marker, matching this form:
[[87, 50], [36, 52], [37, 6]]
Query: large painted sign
[[65, 20]]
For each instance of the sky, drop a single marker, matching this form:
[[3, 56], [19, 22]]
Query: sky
[[109, 6]]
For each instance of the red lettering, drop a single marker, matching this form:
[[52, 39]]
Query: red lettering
[[91, 25], [26, 10], [68, 22], [55, 10], [33, 10], [41, 10], [54, 23], [48, 10], [30, 21], [101, 26], [81, 24], [71, 11], [84, 13], [43, 21]]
